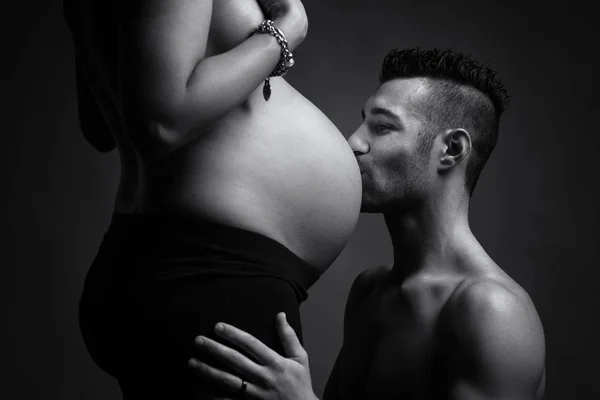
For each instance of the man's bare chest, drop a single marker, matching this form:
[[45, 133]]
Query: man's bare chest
[[393, 346]]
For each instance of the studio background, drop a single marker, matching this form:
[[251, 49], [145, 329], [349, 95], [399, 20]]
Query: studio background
[[535, 208]]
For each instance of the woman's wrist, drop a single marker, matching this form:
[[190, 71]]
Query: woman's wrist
[[294, 26]]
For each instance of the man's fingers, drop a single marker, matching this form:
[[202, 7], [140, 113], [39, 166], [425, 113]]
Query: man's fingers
[[224, 379], [257, 349], [232, 358], [289, 339]]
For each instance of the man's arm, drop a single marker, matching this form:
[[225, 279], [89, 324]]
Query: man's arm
[[358, 290], [496, 344], [170, 88], [333, 383]]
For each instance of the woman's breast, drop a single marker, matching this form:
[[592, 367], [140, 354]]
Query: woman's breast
[[232, 21], [280, 168]]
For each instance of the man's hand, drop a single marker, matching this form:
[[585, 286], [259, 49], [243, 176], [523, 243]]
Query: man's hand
[[289, 16], [269, 376]]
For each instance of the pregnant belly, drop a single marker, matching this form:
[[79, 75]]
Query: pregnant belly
[[279, 168]]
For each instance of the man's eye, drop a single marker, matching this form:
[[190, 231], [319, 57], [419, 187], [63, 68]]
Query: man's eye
[[380, 128]]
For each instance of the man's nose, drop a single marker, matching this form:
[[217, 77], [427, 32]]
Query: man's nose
[[358, 144]]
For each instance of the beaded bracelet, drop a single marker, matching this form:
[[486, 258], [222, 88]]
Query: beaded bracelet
[[286, 60]]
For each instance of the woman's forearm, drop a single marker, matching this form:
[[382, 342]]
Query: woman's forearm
[[173, 93]]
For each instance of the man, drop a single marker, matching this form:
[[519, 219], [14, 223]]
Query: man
[[444, 322]]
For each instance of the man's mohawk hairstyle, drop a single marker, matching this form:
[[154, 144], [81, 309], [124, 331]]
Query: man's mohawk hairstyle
[[446, 65]]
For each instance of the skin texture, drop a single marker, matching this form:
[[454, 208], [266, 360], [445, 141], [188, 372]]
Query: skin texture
[[177, 87], [444, 321], [196, 137]]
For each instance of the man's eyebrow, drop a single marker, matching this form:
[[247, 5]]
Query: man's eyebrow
[[382, 111], [386, 113]]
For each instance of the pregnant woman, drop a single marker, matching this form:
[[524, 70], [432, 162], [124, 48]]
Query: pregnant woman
[[236, 192]]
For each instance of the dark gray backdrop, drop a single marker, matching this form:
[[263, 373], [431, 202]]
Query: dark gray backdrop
[[535, 208]]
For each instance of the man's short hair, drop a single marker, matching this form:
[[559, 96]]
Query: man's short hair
[[463, 94]]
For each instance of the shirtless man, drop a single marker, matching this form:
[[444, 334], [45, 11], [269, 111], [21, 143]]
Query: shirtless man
[[444, 322], [231, 203]]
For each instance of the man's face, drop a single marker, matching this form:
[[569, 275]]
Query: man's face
[[395, 167]]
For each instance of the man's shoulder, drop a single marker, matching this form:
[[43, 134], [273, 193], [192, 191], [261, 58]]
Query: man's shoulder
[[486, 294], [364, 283], [495, 319], [481, 298], [369, 277], [374, 272]]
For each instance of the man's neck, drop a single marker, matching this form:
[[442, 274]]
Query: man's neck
[[428, 238]]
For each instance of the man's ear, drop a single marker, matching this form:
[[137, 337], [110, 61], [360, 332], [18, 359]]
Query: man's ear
[[457, 146]]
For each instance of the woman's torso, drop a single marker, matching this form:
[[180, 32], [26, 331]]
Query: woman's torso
[[279, 168]]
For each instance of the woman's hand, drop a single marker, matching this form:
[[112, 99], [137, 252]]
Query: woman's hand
[[289, 16]]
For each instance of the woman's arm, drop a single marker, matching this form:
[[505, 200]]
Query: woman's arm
[[172, 93], [97, 124], [98, 116]]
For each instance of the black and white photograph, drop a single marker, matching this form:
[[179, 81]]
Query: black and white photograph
[[300, 200]]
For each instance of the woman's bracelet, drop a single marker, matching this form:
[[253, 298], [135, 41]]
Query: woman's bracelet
[[286, 61]]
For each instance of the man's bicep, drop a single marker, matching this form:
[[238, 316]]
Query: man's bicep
[[359, 290], [466, 390], [498, 346], [161, 44], [333, 383], [472, 389]]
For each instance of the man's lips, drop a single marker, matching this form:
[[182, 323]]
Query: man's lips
[[362, 168]]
